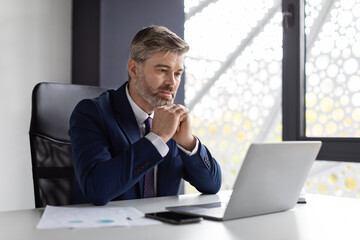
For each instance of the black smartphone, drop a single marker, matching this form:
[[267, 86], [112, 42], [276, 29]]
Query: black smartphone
[[172, 217]]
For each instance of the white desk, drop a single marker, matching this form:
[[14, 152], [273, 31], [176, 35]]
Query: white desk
[[322, 218]]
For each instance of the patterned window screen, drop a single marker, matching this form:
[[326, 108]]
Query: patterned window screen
[[233, 81], [233, 77], [332, 29]]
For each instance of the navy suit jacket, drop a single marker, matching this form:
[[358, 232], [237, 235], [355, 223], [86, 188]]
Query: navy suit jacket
[[111, 157]]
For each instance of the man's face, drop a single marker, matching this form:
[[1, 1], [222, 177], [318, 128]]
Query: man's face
[[159, 78]]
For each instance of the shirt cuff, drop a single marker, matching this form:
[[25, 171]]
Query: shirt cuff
[[158, 143], [190, 153]]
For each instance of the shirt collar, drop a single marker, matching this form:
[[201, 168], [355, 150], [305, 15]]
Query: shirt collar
[[140, 115]]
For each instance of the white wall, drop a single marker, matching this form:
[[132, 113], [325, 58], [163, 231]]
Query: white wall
[[35, 46]]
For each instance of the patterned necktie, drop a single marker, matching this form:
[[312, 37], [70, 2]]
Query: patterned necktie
[[149, 176]]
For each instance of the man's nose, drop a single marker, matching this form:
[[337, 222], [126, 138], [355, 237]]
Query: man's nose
[[171, 79]]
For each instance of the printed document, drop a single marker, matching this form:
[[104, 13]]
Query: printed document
[[92, 217]]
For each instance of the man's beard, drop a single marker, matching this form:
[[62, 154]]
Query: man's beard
[[150, 94]]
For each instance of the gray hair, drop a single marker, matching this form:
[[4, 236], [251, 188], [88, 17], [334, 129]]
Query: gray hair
[[153, 39]]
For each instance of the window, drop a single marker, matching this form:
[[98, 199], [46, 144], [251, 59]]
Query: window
[[233, 76], [247, 81], [320, 88], [332, 73]]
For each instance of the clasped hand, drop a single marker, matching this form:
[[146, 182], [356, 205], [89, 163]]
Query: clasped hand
[[173, 121]]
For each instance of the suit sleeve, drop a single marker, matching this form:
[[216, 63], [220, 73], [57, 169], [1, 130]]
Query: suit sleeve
[[202, 171], [102, 176]]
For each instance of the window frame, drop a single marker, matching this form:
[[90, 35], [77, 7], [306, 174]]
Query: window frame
[[293, 95]]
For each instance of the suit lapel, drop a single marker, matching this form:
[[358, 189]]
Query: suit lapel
[[124, 114], [126, 120]]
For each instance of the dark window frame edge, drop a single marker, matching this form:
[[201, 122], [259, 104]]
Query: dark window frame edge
[[333, 149]]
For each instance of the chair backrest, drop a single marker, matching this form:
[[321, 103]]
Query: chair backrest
[[52, 167]]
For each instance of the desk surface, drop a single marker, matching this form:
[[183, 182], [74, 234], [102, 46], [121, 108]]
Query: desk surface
[[323, 217]]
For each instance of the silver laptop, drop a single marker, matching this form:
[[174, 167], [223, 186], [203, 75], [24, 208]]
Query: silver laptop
[[270, 180]]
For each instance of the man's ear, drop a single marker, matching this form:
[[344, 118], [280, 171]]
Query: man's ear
[[132, 68]]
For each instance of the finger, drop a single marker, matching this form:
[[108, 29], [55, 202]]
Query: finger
[[184, 116], [166, 107], [185, 109], [177, 109]]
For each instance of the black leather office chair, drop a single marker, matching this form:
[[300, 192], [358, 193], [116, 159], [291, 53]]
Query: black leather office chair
[[52, 167]]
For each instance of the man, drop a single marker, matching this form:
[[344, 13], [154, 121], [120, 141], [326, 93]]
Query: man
[[115, 154]]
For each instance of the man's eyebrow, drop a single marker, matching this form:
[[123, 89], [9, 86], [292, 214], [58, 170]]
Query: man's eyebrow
[[167, 66], [162, 65]]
